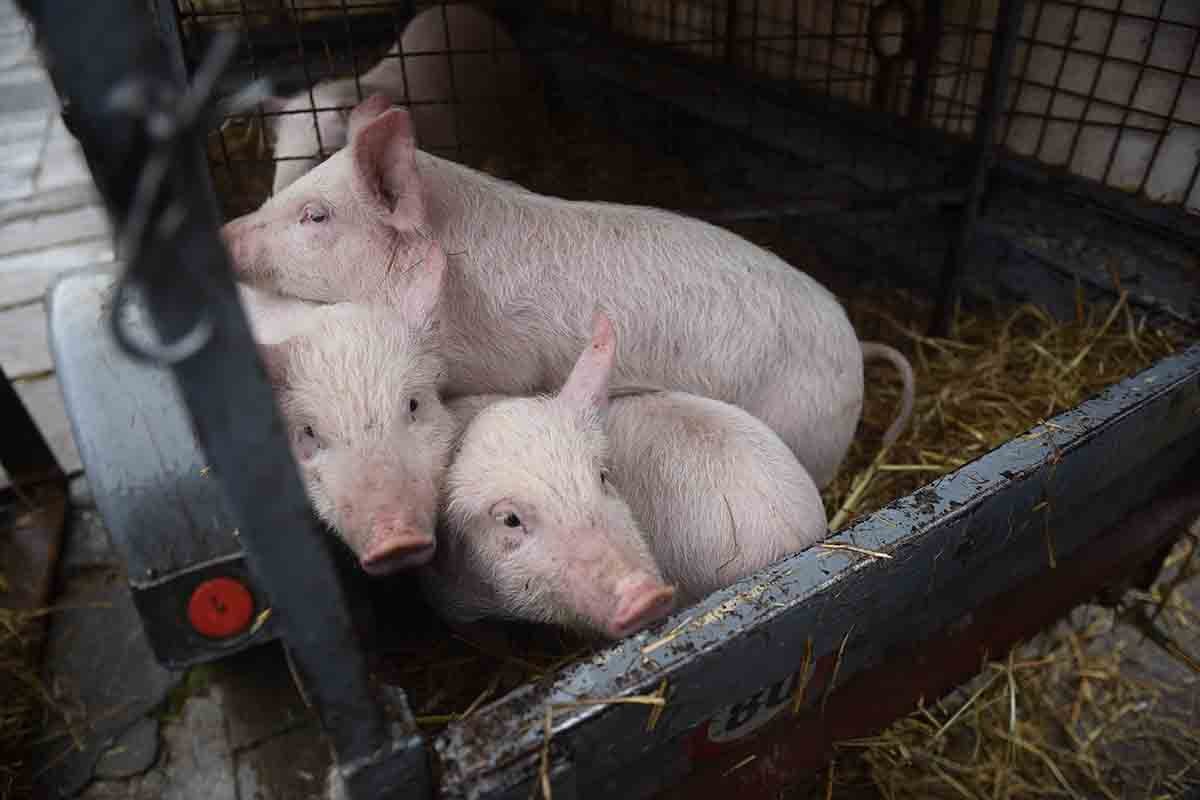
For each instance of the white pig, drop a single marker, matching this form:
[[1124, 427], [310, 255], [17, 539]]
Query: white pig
[[445, 114], [701, 309], [538, 485], [358, 387]]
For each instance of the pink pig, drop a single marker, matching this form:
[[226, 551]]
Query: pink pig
[[358, 387], [701, 310], [532, 528], [538, 527]]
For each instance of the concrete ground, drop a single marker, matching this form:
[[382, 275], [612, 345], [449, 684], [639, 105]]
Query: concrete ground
[[236, 730]]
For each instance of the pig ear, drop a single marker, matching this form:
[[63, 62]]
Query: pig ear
[[587, 385], [385, 167], [368, 110], [275, 361]]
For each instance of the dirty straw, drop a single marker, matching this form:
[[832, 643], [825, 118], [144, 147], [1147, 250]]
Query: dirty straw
[[994, 377], [1081, 712]]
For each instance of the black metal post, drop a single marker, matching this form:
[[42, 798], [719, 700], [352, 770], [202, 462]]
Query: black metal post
[[142, 134], [991, 105], [929, 39], [24, 453]]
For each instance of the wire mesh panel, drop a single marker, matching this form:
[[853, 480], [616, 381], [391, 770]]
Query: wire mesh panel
[[454, 66], [1108, 90]]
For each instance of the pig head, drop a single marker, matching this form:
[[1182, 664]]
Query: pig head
[[349, 229], [534, 531], [359, 393]]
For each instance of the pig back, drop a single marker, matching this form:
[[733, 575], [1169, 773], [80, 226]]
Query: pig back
[[719, 495], [696, 308]]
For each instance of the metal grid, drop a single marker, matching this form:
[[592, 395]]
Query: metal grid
[[1108, 90], [305, 44]]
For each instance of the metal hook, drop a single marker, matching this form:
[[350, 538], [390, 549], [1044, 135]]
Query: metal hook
[[166, 116], [167, 354]]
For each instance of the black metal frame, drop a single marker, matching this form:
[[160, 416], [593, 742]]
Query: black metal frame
[[141, 133], [26, 456]]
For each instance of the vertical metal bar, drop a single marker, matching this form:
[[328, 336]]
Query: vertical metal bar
[[926, 56], [1133, 93], [1182, 75], [1021, 76], [971, 30], [1008, 22], [1056, 86], [1095, 84], [730, 28], [183, 275], [23, 451], [455, 113], [168, 19]]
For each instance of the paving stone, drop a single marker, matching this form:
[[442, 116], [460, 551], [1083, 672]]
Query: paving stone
[[102, 668], [16, 48], [24, 347], [22, 143], [196, 760], [288, 767], [24, 286], [16, 182], [63, 163], [49, 200], [95, 250], [79, 491], [133, 753], [25, 126], [88, 544], [26, 90], [48, 230], [44, 401], [262, 699]]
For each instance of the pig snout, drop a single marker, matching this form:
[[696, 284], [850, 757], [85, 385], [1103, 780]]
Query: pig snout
[[396, 545], [616, 595], [389, 524], [240, 237], [641, 601]]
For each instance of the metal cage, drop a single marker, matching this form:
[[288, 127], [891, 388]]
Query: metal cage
[[865, 131], [864, 126]]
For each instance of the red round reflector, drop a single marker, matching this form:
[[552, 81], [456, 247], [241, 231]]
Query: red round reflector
[[220, 608]]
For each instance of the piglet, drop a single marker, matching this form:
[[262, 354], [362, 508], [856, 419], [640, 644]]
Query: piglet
[[455, 99], [358, 388], [540, 486]]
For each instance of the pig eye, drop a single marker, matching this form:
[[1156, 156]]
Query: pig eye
[[308, 431], [314, 213], [512, 520], [412, 405], [604, 477]]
